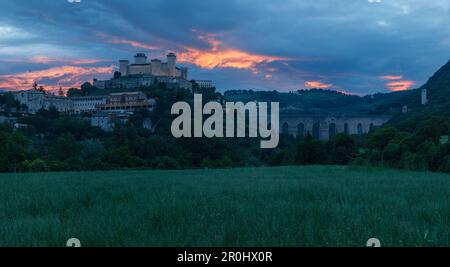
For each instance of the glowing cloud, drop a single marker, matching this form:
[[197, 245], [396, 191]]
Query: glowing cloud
[[391, 77], [318, 85], [396, 83], [134, 44], [221, 56], [82, 61], [114, 40], [53, 78], [396, 86]]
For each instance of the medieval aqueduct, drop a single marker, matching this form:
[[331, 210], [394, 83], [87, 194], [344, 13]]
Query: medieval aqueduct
[[325, 127]]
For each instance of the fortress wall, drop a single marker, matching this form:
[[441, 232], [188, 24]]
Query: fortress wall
[[139, 69]]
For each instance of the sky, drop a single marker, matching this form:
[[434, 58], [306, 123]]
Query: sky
[[353, 46]]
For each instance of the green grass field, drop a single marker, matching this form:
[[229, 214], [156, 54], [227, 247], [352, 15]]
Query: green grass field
[[286, 206]]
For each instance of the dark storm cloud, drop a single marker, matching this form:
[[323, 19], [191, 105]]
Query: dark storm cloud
[[283, 44]]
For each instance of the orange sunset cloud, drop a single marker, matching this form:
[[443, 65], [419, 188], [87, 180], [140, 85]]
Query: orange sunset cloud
[[396, 83], [64, 76], [391, 77], [221, 56], [318, 85], [396, 86], [114, 40]]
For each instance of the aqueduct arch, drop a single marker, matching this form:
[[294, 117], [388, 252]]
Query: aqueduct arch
[[324, 127]]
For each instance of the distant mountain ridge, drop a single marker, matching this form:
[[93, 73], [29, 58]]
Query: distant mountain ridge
[[318, 101]]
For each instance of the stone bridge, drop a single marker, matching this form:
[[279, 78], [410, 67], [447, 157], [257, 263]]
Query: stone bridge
[[326, 127]]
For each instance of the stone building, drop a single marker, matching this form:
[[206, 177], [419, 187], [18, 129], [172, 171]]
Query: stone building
[[204, 83], [87, 104], [36, 100], [127, 102], [61, 103], [33, 99], [424, 97], [107, 121]]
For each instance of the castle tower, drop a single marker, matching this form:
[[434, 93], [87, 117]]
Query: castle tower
[[424, 97], [171, 62], [123, 67], [140, 58], [156, 67], [184, 73]]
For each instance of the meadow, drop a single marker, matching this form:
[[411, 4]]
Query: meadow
[[283, 206]]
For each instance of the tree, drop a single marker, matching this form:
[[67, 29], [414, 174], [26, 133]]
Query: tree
[[381, 137], [343, 149], [117, 75], [65, 148], [74, 92], [14, 150], [310, 152], [87, 88]]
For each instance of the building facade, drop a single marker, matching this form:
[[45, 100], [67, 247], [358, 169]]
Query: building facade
[[33, 99], [87, 104], [61, 103], [424, 97], [127, 102], [36, 100], [204, 83]]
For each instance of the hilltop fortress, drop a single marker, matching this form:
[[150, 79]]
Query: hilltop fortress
[[155, 67], [143, 73]]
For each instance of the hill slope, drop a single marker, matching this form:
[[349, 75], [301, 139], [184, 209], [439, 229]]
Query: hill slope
[[438, 87]]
